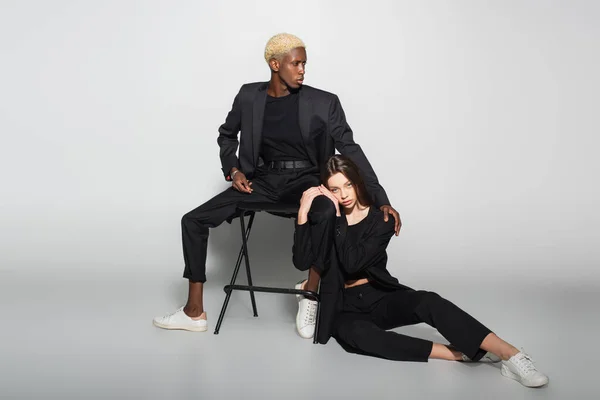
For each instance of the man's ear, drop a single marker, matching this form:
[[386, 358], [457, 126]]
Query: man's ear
[[274, 64]]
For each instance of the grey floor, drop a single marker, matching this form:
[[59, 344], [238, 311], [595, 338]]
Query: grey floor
[[84, 331], [74, 338]]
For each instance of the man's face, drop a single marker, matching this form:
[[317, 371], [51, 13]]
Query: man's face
[[292, 68]]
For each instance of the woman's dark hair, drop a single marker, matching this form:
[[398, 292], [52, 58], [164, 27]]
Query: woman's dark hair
[[349, 169]]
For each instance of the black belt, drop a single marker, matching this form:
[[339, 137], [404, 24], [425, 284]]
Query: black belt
[[288, 164]]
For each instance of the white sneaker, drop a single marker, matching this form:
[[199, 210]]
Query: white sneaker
[[299, 286], [520, 368], [307, 314], [179, 320], [487, 357]]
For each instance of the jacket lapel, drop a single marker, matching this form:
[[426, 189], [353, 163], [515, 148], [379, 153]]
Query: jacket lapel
[[304, 114], [258, 113]]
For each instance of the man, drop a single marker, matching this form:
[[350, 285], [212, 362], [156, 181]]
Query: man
[[288, 130]]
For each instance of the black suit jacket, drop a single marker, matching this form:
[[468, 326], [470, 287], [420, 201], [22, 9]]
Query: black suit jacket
[[322, 123], [367, 257]]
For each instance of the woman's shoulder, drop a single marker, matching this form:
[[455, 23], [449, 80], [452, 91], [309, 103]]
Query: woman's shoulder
[[377, 221]]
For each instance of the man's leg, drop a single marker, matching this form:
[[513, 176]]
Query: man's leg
[[195, 231]]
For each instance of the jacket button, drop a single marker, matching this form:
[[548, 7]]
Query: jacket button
[[360, 295]]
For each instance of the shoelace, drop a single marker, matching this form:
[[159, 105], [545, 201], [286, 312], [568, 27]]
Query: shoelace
[[525, 364], [173, 313], [311, 315]]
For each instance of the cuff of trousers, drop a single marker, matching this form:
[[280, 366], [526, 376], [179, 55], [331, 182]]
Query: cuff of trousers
[[194, 279], [474, 352]]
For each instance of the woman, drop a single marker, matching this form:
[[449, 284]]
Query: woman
[[370, 300]]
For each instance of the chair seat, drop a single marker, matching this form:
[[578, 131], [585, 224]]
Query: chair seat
[[269, 207]]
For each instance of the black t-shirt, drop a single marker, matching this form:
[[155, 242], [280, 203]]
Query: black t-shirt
[[281, 136], [353, 234]]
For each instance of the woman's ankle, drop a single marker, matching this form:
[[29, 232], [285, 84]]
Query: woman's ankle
[[444, 352]]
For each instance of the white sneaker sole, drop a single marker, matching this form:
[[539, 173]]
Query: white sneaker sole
[[509, 374], [181, 327]]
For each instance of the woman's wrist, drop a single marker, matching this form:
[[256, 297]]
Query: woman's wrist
[[302, 216]]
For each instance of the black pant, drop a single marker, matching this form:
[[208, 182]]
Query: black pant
[[273, 186], [368, 311]]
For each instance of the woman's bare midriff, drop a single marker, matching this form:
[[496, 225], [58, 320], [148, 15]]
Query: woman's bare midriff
[[357, 282]]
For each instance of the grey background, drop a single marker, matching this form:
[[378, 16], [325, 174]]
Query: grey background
[[478, 117]]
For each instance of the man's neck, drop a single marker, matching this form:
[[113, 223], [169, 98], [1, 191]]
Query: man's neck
[[277, 88]]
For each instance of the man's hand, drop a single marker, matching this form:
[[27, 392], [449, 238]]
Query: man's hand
[[387, 210], [240, 183]]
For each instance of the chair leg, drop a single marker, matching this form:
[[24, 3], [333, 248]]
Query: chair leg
[[247, 261], [233, 277], [316, 335]]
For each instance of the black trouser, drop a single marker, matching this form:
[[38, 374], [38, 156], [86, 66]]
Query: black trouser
[[369, 310], [269, 185]]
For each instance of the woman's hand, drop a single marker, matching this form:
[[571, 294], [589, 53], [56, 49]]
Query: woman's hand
[[331, 197], [305, 202]]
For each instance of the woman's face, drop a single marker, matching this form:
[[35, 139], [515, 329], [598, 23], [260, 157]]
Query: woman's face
[[343, 190]]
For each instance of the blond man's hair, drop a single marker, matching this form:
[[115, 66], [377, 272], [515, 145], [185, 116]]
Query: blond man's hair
[[281, 44]]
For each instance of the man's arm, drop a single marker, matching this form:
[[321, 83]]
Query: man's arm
[[228, 138], [344, 143]]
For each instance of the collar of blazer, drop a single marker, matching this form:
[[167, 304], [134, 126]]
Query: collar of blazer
[[305, 112]]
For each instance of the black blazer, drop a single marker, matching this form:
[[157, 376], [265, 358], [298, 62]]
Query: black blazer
[[322, 123], [367, 257]]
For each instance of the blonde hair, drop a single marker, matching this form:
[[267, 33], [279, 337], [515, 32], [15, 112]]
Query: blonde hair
[[280, 45]]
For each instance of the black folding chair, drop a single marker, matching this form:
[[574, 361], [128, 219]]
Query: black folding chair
[[250, 209]]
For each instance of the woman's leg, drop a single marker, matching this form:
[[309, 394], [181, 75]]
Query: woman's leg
[[359, 328], [448, 319], [499, 347], [321, 218], [444, 352], [358, 334], [406, 307]]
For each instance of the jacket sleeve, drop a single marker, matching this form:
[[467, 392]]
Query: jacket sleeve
[[228, 137], [368, 251], [302, 253], [344, 143]]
